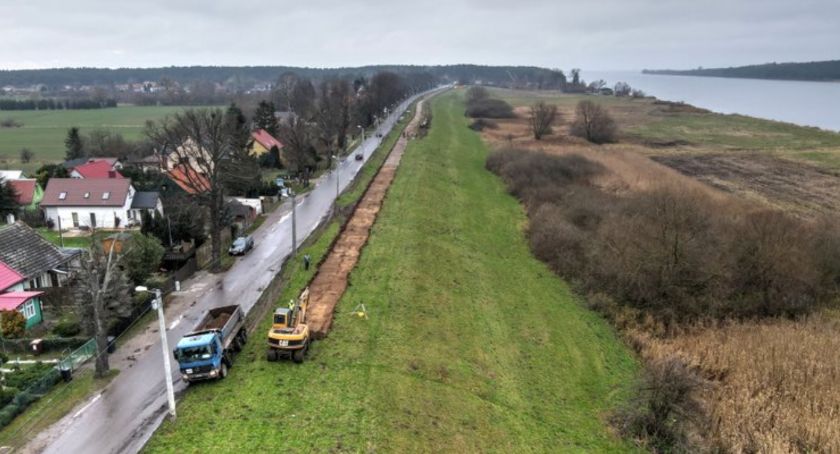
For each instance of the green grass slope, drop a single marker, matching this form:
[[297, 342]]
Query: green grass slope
[[471, 343]]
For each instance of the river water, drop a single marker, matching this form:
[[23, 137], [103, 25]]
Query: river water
[[804, 103]]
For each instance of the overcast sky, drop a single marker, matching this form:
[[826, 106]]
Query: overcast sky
[[608, 34]]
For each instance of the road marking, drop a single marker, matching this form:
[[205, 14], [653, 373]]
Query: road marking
[[82, 410], [283, 218], [175, 323]]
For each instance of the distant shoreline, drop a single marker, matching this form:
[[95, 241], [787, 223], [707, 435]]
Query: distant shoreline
[[818, 71], [689, 73]]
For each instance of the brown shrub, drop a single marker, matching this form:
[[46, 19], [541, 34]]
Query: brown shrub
[[672, 253], [594, 123], [489, 108], [666, 409]]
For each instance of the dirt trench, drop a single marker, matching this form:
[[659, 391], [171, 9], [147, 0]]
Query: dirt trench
[[330, 282]]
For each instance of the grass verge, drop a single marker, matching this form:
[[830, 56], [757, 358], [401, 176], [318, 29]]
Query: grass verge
[[471, 345], [52, 407]]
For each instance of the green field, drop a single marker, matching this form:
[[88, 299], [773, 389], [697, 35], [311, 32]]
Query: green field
[[471, 343], [43, 131]]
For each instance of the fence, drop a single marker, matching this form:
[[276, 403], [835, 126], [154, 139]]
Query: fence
[[79, 356], [40, 386], [204, 252]]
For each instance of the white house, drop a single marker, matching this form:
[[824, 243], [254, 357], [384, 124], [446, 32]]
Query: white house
[[90, 203]]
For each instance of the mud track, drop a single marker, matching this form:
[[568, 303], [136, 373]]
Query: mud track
[[329, 284]]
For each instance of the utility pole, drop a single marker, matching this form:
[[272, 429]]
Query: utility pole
[[157, 303], [60, 235], [294, 224], [337, 168], [169, 225]]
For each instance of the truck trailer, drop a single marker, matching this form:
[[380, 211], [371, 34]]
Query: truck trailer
[[207, 352]]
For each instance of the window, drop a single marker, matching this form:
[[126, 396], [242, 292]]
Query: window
[[87, 195], [28, 309], [106, 195], [62, 196]]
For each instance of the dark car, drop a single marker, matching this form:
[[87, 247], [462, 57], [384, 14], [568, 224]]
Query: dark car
[[241, 245], [359, 156]]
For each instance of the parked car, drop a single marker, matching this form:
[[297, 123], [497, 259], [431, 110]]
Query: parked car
[[241, 245], [359, 156]]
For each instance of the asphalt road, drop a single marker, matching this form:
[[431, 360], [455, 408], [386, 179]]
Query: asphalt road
[[127, 413]]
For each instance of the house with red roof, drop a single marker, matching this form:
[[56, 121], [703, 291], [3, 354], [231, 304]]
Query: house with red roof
[[28, 193], [189, 180], [95, 169], [263, 143]]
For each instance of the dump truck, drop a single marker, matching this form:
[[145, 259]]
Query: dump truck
[[288, 336], [207, 352]]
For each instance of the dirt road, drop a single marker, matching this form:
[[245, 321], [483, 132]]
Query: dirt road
[[330, 283]]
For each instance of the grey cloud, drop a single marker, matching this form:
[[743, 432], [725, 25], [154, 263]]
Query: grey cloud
[[610, 34]]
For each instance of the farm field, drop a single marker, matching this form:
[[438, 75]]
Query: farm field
[[44, 131], [470, 345]]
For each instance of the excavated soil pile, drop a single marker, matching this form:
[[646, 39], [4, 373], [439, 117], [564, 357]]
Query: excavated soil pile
[[329, 284]]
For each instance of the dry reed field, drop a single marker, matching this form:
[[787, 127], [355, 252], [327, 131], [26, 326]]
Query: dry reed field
[[774, 384]]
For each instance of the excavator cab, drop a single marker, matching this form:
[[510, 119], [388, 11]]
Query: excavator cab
[[281, 317]]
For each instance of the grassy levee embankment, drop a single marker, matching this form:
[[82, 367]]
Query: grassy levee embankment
[[471, 343]]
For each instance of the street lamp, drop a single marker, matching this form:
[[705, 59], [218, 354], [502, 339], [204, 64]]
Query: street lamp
[[157, 303], [337, 162], [294, 222]]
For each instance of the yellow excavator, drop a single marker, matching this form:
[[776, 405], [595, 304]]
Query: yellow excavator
[[289, 334]]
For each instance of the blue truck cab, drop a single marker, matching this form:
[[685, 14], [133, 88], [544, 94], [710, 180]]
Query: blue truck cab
[[207, 352]]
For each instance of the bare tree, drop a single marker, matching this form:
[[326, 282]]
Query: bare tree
[[594, 123], [542, 117], [101, 291], [332, 116], [211, 151], [297, 141]]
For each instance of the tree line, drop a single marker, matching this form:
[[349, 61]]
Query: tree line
[[56, 104], [248, 75]]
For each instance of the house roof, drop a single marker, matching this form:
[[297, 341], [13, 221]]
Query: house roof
[[103, 192], [12, 300], [27, 252], [8, 277], [189, 180], [97, 169], [11, 174], [25, 190], [145, 200], [73, 163], [265, 139]]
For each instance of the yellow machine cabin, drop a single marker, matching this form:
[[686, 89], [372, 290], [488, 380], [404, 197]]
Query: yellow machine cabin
[[289, 334]]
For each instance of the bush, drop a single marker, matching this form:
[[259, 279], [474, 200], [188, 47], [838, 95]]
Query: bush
[[594, 123], [156, 280], [6, 395], [480, 124], [12, 324], [489, 108], [670, 254], [27, 376], [665, 409], [143, 257], [67, 328]]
